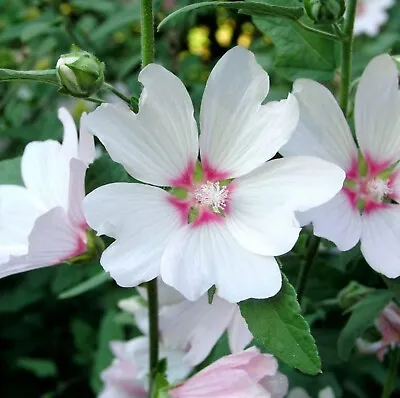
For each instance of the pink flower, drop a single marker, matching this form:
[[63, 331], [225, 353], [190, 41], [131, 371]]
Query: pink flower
[[249, 374], [388, 325], [42, 223], [367, 208]]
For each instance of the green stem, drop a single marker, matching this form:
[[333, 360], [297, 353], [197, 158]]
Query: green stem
[[322, 33], [152, 297], [312, 250], [44, 76], [147, 32], [347, 52], [391, 373], [108, 86]]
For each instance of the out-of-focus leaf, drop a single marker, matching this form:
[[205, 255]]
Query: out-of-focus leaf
[[84, 341], [36, 29], [100, 6], [279, 329], [362, 317], [39, 367], [86, 286], [393, 285], [10, 171]]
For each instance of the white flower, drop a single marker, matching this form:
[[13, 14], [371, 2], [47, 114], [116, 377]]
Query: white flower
[[42, 223], [223, 225], [367, 207], [371, 15], [127, 377]]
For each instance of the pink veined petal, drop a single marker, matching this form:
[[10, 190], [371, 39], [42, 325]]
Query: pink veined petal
[[380, 240], [86, 148], [158, 144], [238, 134], [199, 256], [19, 210], [322, 130], [239, 335], [144, 221], [335, 220], [187, 325], [377, 111], [77, 193], [265, 200], [52, 240]]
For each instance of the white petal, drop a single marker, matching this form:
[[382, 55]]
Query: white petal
[[377, 110], [380, 240], [238, 134], [195, 326], [86, 147], [322, 130], [52, 240], [337, 221], [69, 147], [202, 255], [261, 212], [159, 143], [141, 219], [77, 192], [19, 210], [239, 335]]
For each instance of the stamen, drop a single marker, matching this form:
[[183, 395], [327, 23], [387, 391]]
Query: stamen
[[378, 189], [211, 195]]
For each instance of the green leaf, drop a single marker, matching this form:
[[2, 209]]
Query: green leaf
[[211, 292], [109, 330], [299, 53], [279, 329], [249, 7], [39, 367], [36, 29], [100, 6], [362, 317], [10, 171], [84, 287], [393, 285]]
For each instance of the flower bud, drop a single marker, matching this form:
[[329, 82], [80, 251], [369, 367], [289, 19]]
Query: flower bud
[[80, 73], [352, 294], [325, 11]]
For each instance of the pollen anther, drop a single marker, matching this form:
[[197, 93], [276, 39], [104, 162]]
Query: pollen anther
[[212, 195]]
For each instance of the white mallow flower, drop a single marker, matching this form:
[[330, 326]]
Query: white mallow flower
[[371, 15], [225, 217], [42, 223], [366, 209]]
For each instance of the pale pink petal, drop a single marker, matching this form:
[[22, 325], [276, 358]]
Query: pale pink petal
[[238, 134], [377, 111], [52, 240], [277, 385], [261, 214], [186, 325], [335, 220], [144, 221], [298, 392], [322, 130], [239, 335], [380, 240], [159, 145], [199, 256]]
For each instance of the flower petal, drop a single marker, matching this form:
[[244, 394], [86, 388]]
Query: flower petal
[[335, 220], [199, 256], [86, 148], [261, 211], [377, 110], [238, 134], [158, 144], [322, 130], [140, 218], [380, 240], [77, 192], [239, 335], [52, 240], [69, 148], [195, 326]]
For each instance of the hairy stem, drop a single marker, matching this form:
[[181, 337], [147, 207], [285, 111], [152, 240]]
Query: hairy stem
[[147, 32], [44, 76]]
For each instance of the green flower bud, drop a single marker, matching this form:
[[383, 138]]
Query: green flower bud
[[80, 73], [352, 294], [325, 11]]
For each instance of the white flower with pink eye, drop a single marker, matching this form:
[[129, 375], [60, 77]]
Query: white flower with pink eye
[[371, 15], [366, 209], [248, 374], [42, 223], [225, 217]]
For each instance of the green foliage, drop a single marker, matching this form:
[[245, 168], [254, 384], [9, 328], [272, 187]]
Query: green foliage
[[279, 329], [362, 317], [10, 172], [40, 367]]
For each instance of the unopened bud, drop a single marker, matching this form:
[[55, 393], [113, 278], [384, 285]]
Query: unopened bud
[[80, 73], [352, 294], [325, 11]]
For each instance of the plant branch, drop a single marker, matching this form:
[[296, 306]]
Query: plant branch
[[147, 32], [44, 76]]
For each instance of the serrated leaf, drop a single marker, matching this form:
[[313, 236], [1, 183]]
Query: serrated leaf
[[249, 7], [279, 329], [10, 171], [362, 317], [86, 286]]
